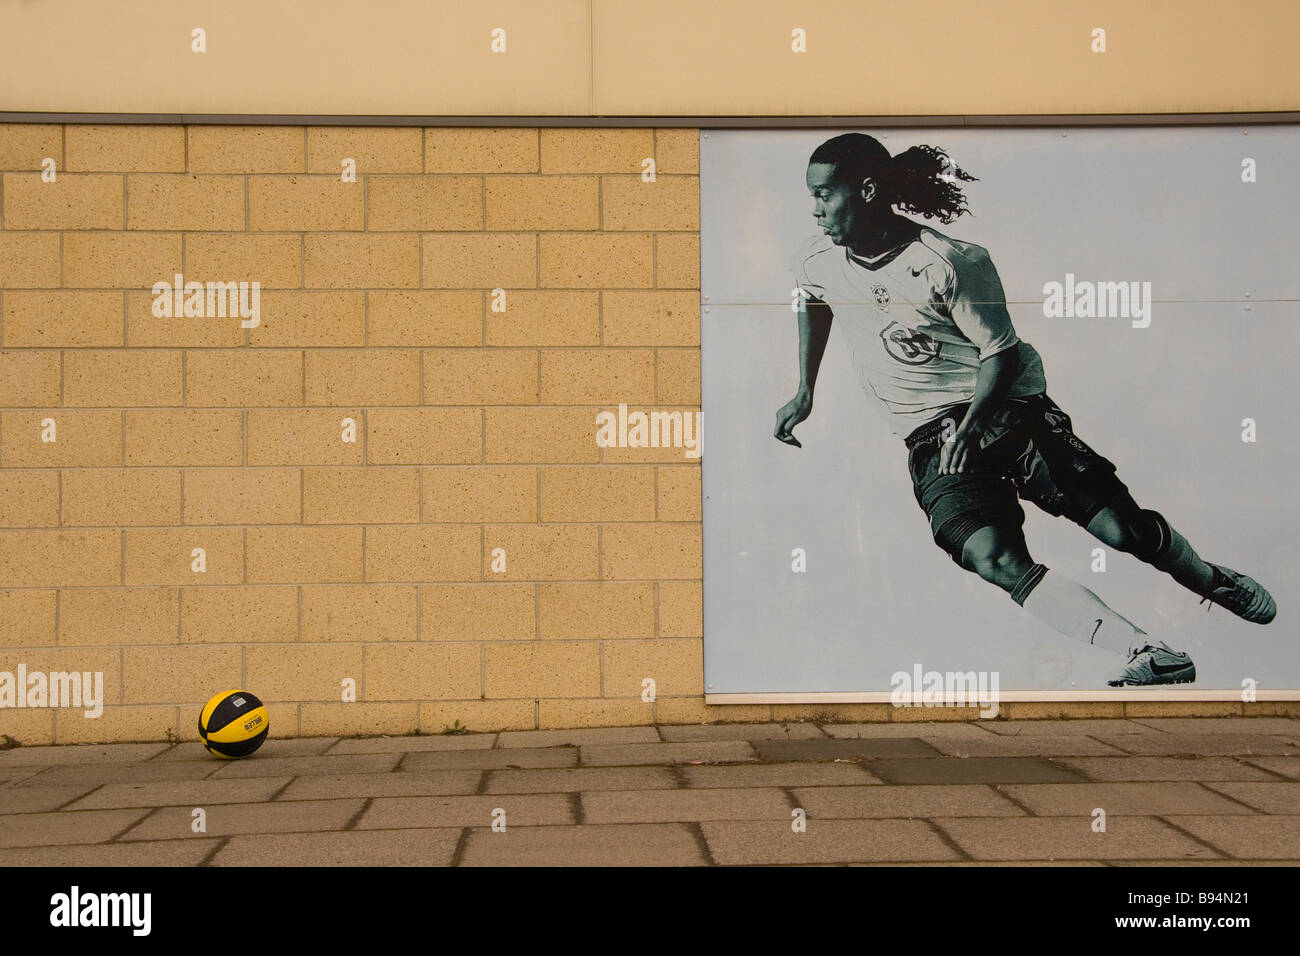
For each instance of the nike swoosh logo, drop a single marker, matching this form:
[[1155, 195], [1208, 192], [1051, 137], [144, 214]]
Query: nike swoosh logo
[[1168, 668], [1094, 631], [914, 273]]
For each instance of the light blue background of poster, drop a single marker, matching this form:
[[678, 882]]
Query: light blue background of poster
[[1165, 403]]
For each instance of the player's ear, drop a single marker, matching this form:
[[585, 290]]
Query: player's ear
[[868, 189]]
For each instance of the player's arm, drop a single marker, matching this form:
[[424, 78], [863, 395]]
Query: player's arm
[[814, 331], [977, 304], [992, 385]]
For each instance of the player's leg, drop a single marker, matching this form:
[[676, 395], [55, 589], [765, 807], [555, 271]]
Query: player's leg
[[1062, 475], [1148, 537], [1077, 612], [975, 516], [998, 554]]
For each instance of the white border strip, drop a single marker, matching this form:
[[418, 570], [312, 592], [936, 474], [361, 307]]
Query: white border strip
[[1012, 696]]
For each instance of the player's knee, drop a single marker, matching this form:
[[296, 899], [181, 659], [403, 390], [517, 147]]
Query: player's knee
[[1107, 528], [1136, 531], [994, 562]]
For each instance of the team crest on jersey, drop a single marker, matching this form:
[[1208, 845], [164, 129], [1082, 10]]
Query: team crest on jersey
[[881, 294], [909, 346]]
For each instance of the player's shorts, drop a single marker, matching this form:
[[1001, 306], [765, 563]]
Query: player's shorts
[[1029, 451]]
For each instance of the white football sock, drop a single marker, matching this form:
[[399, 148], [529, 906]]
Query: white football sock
[[1076, 612]]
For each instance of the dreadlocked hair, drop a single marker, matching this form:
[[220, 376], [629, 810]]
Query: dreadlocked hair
[[921, 180]]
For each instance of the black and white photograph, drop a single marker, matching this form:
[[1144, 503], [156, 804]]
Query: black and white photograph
[[1010, 402]]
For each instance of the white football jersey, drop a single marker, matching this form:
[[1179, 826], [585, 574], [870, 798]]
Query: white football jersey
[[918, 320]]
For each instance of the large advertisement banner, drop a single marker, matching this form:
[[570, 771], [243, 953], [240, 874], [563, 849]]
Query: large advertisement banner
[[1009, 408]]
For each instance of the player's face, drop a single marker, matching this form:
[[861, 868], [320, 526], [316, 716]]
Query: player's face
[[838, 208]]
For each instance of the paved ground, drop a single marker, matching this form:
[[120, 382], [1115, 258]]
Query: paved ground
[[1187, 791]]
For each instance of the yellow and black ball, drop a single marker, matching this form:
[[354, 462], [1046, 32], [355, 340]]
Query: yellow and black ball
[[233, 724]]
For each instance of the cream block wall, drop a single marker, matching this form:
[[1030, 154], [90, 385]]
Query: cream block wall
[[375, 561], [372, 560]]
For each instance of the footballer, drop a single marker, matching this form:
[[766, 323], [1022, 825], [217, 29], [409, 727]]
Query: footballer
[[927, 327]]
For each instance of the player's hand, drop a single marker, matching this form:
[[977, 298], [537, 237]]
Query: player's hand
[[958, 453], [791, 414]]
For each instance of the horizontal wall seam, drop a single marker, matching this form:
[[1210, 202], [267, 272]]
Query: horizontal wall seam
[[686, 122]]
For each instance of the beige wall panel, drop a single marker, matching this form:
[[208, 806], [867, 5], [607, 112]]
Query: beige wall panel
[[673, 58], [940, 57], [416, 57]]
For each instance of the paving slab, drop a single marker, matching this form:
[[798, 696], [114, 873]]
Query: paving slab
[[1272, 837], [292, 747], [228, 819], [985, 864], [846, 773], [971, 770], [1203, 745], [298, 746], [857, 803], [577, 737], [994, 745], [521, 810], [1194, 863], [580, 779], [1138, 769], [703, 751], [1058, 838], [1265, 797], [15, 774], [933, 728], [646, 844], [409, 784], [824, 841], [1283, 766], [1130, 799], [74, 755], [65, 826], [1065, 728], [685, 806], [36, 799], [120, 773], [788, 731], [189, 793], [414, 744], [1221, 725], [105, 774], [854, 748], [299, 766], [500, 759], [412, 847], [157, 853]]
